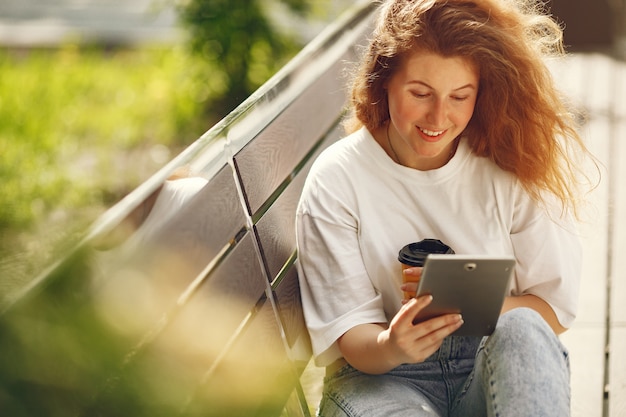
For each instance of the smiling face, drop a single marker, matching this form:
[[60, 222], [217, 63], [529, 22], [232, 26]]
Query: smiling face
[[431, 101]]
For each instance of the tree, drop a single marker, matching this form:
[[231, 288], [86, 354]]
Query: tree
[[240, 42]]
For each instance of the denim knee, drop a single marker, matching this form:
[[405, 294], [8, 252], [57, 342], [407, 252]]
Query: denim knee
[[523, 318], [522, 334], [522, 369]]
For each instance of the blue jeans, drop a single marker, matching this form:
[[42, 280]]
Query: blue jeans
[[522, 369]]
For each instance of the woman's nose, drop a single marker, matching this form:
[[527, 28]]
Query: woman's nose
[[438, 113]]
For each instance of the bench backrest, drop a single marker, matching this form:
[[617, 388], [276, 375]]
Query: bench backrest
[[196, 309]]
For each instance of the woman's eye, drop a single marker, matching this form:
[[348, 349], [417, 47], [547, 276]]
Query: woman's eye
[[420, 95], [458, 98]]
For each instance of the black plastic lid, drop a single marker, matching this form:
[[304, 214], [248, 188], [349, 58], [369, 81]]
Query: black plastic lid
[[414, 254]]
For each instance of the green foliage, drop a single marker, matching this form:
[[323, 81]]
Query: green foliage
[[237, 37], [79, 129], [60, 110]]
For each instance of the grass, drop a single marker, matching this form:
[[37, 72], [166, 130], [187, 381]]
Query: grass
[[79, 129]]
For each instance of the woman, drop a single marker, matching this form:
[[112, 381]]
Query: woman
[[457, 134]]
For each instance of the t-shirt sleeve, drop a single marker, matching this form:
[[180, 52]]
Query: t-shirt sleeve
[[336, 291], [549, 258]]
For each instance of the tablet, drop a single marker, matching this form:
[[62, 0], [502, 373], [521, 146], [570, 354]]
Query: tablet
[[472, 285]]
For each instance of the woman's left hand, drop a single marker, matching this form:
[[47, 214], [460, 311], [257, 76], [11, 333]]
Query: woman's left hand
[[411, 278]]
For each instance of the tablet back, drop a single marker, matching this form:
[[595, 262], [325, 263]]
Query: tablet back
[[472, 285]]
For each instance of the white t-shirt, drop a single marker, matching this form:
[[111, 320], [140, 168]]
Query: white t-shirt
[[359, 208]]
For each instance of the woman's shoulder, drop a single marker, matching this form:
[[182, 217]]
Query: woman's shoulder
[[344, 155]]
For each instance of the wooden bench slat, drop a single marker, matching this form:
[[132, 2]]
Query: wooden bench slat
[[191, 239], [276, 228], [271, 157], [189, 339], [255, 377], [287, 296]]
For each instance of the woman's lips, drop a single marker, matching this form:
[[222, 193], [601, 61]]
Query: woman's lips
[[431, 135]]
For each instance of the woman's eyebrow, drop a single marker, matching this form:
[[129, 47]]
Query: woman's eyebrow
[[470, 85]]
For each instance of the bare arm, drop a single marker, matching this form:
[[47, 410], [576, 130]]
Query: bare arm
[[537, 304], [376, 349]]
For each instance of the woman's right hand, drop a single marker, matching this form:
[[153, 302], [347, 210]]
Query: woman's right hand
[[374, 349], [412, 343]]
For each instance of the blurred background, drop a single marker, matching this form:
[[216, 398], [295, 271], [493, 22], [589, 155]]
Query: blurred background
[[97, 95]]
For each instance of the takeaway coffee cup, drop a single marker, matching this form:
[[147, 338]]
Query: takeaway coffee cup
[[414, 254]]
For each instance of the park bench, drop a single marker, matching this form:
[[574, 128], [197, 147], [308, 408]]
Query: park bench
[[183, 299]]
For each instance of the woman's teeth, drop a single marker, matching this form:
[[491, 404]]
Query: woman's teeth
[[430, 132]]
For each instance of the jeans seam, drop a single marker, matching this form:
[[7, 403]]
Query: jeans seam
[[340, 403], [464, 389], [445, 373], [492, 382]]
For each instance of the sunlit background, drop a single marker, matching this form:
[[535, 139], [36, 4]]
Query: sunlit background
[[95, 97]]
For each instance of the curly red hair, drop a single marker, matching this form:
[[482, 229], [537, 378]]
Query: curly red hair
[[520, 120]]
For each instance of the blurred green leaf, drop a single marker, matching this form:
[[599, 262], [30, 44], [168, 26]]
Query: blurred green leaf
[[238, 38], [79, 129]]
